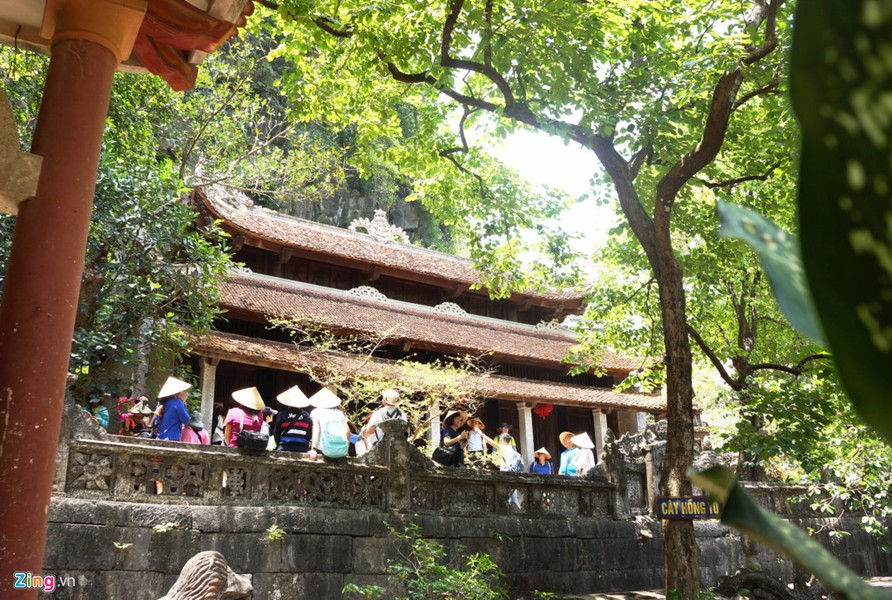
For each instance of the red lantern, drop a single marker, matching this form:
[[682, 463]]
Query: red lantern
[[542, 410]]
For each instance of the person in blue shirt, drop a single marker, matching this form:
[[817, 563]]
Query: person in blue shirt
[[567, 456], [172, 409], [541, 464], [98, 410]]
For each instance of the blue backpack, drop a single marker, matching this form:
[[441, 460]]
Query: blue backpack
[[333, 441]]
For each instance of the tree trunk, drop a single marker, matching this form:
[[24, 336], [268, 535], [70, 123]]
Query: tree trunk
[[682, 555]]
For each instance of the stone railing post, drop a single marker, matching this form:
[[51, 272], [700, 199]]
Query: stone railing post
[[615, 466], [654, 454], [396, 453]]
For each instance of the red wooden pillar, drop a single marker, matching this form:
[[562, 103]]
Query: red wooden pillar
[[40, 294]]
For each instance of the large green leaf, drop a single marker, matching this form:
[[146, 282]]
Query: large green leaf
[[741, 512], [779, 253], [841, 80]]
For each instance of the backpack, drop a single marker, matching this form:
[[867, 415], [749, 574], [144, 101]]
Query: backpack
[[332, 441], [365, 444], [514, 463]]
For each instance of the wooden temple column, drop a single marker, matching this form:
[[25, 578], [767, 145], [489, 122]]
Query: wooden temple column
[[527, 447], [208, 368], [40, 294], [600, 420]]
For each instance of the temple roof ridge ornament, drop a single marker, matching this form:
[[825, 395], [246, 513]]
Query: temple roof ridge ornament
[[450, 308], [379, 228], [240, 269], [554, 324], [367, 291]]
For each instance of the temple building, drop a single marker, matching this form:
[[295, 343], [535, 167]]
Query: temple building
[[422, 304]]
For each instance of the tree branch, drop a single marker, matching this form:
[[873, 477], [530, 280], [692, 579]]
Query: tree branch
[[710, 141], [704, 347], [453, 63], [327, 25], [795, 370], [772, 87], [770, 42], [448, 152], [640, 158], [730, 183]]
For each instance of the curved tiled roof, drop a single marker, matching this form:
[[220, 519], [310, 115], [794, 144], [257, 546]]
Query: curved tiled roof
[[230, 206], [291, 356], [419, 326]]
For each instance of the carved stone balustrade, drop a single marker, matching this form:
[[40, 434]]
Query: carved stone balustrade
[[394, 476], [136, 470]]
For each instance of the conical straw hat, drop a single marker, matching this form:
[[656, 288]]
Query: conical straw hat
[[543, 451], [582, 441], [249, 397], [293, 397], [173, 386], [325, 398]]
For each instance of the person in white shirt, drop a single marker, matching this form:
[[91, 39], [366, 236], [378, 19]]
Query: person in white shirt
[[371, 434], [477, 441], [584, 460]]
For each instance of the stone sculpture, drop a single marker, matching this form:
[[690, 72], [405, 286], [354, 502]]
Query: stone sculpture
[[207, 576]]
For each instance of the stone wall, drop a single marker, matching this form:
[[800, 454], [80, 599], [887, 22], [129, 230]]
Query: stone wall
[[112, 551], [118, 534]]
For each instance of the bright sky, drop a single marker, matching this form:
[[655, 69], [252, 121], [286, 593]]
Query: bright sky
[[544, 159]]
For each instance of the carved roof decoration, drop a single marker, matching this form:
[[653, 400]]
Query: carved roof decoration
[[551, 325], [367, 291], [380, 228], [361, 251], [240, 269], [450, 308], [417, 326], [279, 355]]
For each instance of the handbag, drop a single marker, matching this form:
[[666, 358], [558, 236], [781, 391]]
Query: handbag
[[252, 441], [445, 455]]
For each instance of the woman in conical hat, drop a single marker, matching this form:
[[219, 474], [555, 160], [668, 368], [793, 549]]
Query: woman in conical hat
[[327, 411], [173, 386], [541, 464], [171, 411], [294, 398], [245, 417], [584, 460], [325, 398], [567, 467], [293, 428]]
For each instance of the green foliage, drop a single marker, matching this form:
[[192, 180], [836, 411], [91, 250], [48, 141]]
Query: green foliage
[[167, 527], [839, 87], [275, 533], [742, 512], [839, 82], [424, 572], [676, 594], [779, 253], [347, 362]]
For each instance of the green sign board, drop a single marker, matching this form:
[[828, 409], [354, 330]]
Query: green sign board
[[691, 507]]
